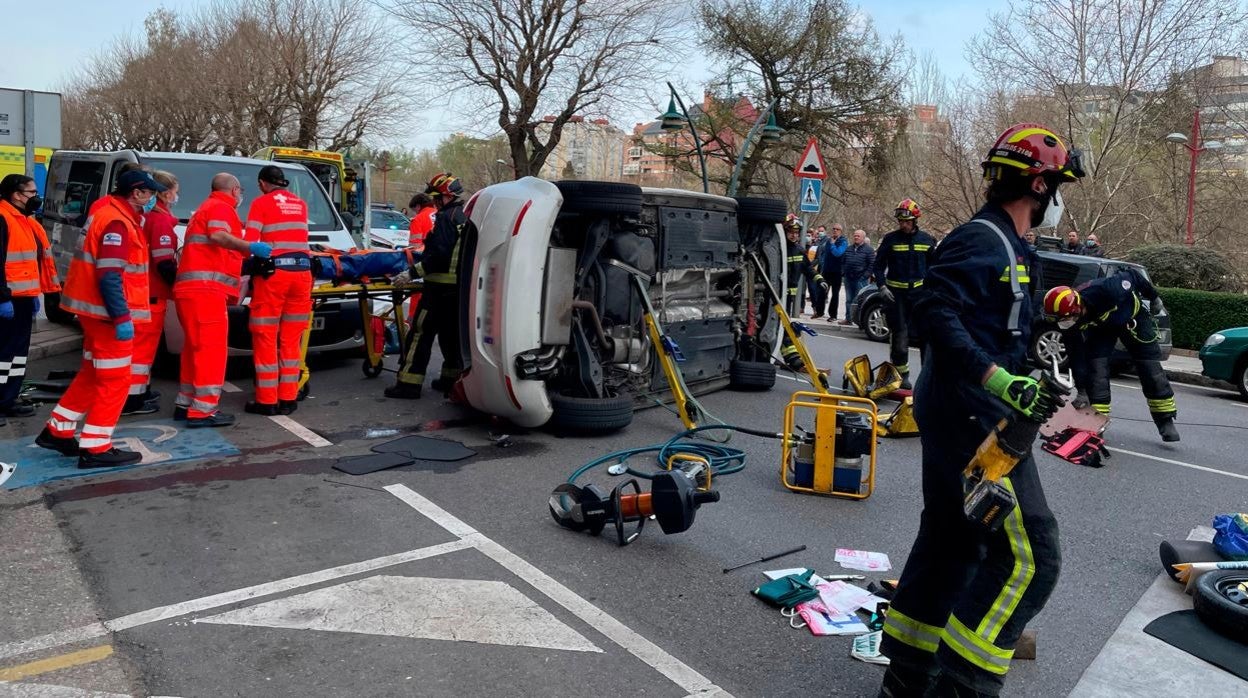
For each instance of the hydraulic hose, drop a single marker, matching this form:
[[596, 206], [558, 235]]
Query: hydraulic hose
[[724, 460]]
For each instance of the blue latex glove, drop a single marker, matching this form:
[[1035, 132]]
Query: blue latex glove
[[6, 310], [261, 249], [38, 305], [124, 331]]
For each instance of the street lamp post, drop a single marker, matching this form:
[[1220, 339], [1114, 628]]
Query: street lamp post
[[672, 120], [770, 132], [1195, 147]]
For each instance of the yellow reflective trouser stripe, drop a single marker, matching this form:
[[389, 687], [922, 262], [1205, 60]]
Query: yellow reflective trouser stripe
[[792, 291], [973, 648], [788, 350], [1165, 404], [1101, 408], [440, 278], [904, 284], [1020, 577], [912, 632]]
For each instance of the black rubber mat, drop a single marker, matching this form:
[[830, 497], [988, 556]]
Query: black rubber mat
[[52, 384], [372, 463], [1184, 630], [43, 396], [426, 448], [54, 375]]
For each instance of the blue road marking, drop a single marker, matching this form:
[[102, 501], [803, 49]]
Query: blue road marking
[[161, 442]]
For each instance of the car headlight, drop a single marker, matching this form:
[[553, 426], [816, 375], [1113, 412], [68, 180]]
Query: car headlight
[[1215, 339]]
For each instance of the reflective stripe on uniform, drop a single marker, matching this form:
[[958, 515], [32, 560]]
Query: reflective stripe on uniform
[[123, 362], [202, 390], [254, 321], [911, 632], [217, 224], [303, 317], [70, 303], [974, 648], [217, 276], [203, 406], [1101, 408], [289, 363], [22, 256], [1165, 404], [141, 369], [921, 248], [110, 263], [266, 382], [903, 284], [1023, 276], [266, 368], [277, 227], [1020, 577], [163, 252], [19, 286], [199, 239], [901, 247]]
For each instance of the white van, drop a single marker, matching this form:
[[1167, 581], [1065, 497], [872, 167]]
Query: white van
[[78, 178]]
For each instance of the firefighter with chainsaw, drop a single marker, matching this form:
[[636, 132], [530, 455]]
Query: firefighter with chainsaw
[[900, 266], [967, 591], [800, 266], [1098, 315], [437, 314], [281, 293], [207, 284], [107, 289]]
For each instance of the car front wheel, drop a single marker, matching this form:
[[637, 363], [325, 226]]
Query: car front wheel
[[1243, 378], [1046, 345], [875, 322]]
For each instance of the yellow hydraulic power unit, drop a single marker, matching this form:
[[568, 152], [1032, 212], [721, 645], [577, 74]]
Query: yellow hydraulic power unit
[[837, 459]]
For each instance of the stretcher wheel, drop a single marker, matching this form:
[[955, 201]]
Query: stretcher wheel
[[371, 370]]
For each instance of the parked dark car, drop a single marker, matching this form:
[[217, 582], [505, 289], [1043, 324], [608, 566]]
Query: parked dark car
[[1058, 269]]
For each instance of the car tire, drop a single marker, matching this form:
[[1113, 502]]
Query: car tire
[[875, 321], [589, 415], [600, 197], [1216, 609], [756, 209], [1242, 373], [1045, 343], [751, 375]]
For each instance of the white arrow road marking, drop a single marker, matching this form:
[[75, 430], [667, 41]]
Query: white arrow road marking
[[465, 610]]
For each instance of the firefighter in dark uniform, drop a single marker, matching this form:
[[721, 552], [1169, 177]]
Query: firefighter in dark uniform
[[1098, 315], [437, 313], [966, 593], [900, 264], [799, 267]]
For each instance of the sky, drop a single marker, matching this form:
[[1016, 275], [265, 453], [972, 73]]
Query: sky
[[43, 59]]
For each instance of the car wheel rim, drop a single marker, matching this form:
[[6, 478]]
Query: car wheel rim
[[1049, 346], [877, 323], [1236, 590]]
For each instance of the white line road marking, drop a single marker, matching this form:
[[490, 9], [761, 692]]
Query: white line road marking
[[1240, 404], [1179, 462], [301, 431], [786, 377], [94, 630], [675, 670], [1125, 385], [228, 387]]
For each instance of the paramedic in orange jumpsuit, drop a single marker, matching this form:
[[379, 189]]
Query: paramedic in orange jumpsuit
[[162, 247], [281, 298], [107, 289]]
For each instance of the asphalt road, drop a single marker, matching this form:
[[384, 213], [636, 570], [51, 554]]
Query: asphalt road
[[558, 611]]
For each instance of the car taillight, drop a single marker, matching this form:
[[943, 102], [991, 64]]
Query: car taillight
[[471, 203], [515, 230], [511, 393]]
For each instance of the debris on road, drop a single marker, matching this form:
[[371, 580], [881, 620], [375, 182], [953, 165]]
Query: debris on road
[[862, 560]]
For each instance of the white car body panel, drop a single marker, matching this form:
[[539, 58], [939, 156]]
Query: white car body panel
[[497, 296]]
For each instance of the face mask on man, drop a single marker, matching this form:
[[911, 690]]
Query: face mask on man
[[149, 204], [1049, 215], [33, 204]]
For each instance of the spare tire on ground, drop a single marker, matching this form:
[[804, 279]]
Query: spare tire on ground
[[600, 197], [756, 209], [751, 375], [1221, 601], [589, 415]]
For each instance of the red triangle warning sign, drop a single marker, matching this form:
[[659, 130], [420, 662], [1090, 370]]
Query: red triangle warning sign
[[810, 164]]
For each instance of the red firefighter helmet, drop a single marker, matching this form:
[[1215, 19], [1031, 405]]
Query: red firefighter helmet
[[1031, 149], [446, 184], [907, 210], [791, 221], [1062, 303]]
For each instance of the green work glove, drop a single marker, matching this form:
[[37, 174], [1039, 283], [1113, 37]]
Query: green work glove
[[1023, 393]]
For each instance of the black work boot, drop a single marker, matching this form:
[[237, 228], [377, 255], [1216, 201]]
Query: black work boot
[[138, 404], [216, 419], [18, 410], [260, 408], [64, 445], [443, 385], [946, 687], [287, 406], [1165, 427], [901, 681], [112, 458], [179, 413], [905, 382], [404, 391]]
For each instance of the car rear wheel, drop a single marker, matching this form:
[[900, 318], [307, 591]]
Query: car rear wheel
[[756, 209], [600, 197], [875, 321], [1046, 345], [1221, 601], [589, 415], [751, 375], [1243, 377]]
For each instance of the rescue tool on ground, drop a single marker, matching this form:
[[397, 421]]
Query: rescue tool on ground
[[793, 330]]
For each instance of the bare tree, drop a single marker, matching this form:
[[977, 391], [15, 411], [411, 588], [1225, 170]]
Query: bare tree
[[532, 58]]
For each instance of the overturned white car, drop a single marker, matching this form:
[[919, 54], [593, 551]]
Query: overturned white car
[[553, 326]]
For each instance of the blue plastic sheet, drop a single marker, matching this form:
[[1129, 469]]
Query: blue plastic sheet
[[372, 265], [1231, 537]]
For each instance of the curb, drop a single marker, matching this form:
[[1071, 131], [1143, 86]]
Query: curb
[[55, 347], [1198, 379]]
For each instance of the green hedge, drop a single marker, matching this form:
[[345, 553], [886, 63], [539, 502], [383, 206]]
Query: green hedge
[[1184, 266], [1194, 315]]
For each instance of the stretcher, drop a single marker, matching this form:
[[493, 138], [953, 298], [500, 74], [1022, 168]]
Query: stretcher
[[364, 277]]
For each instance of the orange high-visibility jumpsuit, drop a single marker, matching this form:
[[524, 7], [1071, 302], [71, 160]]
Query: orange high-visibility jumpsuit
[[28, 271], [114, 242], [281, 304], [208, 282], [162, 245]]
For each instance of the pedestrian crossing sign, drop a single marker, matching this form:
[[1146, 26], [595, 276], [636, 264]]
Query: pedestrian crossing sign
[[811, 191]]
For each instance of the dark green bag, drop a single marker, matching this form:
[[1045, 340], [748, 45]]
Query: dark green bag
[[787, 592]]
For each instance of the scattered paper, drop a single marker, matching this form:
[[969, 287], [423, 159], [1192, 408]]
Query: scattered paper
[[867, 648], [842, 598], [824, 621], [862, 560], [776, 574]]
